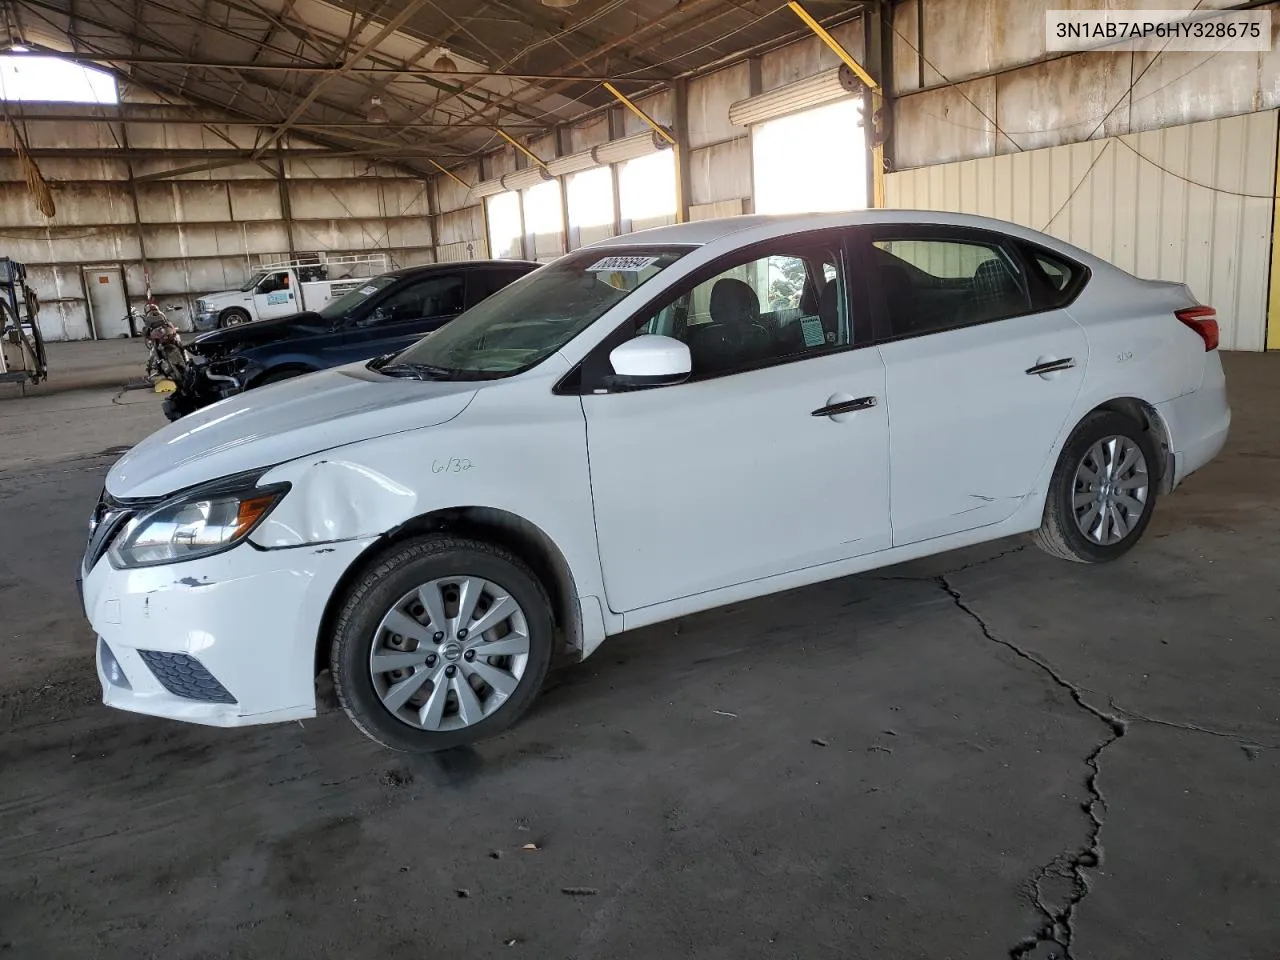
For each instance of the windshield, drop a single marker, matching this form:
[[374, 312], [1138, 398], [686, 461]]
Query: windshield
[[337, 309], [253, 281], [524, 323]]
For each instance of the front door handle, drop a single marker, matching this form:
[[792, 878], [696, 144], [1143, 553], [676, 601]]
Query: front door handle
[[836, 407], [1051, 366]]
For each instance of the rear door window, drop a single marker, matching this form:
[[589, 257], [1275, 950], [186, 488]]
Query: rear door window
[[932, 283]]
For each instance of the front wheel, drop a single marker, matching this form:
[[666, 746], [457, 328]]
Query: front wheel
[[1103, 490], [442, 641], [233, 318]]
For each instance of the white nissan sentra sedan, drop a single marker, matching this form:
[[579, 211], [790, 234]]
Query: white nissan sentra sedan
[[652, 426]]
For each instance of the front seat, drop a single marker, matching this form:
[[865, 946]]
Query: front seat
[[898, 300], [734, 335], [829, 313]]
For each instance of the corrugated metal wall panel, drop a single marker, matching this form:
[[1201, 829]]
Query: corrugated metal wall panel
[[1191, 203], [721, 208], [463, 250]]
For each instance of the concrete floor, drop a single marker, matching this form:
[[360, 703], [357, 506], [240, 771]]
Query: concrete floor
[[942, 760], [85, 365]]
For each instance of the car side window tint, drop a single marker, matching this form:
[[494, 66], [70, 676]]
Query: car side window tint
[[927, 285], [485, 283], [769, 309], [1055, 280], [433, 297], [1057, 273]]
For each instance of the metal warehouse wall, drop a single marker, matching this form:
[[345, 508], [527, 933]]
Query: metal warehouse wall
[[1192, 203], [972, 79], [720, 166], [198, 232]]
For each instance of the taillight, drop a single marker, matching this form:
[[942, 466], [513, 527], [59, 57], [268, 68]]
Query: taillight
[[1204, 321]]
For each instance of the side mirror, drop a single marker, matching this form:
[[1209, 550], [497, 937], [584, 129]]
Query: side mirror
[[650, 360]]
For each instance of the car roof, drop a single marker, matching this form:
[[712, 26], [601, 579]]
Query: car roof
[[750, 228], [700, 232], [459, 265]]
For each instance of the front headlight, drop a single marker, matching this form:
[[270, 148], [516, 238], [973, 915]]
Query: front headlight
[[198, 524]]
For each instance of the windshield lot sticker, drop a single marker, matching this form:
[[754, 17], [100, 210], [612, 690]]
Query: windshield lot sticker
[[368, 290], [621, 264]]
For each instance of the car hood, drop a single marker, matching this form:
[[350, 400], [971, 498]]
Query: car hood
[[259, 332], [281, 422]]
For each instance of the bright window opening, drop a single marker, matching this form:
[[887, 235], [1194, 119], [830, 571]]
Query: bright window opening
[[648, 190], [31, 76], [811, 162], [506, 227], [544, 219], [590, 198]]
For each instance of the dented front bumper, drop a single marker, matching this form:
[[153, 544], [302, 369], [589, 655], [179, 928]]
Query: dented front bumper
[[245, 622]]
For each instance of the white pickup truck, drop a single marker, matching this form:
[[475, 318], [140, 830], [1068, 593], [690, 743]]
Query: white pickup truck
[[285, 288]]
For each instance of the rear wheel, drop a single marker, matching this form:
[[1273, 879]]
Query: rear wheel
[[233, 317], [443, 641], [1103, 490]]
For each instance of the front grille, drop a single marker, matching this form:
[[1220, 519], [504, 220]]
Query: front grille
[[185, 676]]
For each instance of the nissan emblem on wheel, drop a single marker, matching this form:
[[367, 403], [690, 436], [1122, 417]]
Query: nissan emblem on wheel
[[658, 424]]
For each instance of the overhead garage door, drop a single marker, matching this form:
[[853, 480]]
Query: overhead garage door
[[808, 145]]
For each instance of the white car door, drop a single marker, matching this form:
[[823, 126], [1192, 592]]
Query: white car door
[[275, 296], [773, 457], [982, 368]]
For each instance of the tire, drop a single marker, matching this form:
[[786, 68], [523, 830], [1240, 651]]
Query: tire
[[1095, 442], [430, 716], [232, 318]]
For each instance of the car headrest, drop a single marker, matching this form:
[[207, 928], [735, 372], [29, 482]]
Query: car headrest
[[809, 298], [733, 301], [993, 279]]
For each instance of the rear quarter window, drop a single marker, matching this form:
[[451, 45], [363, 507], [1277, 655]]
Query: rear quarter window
[[1056, 280]]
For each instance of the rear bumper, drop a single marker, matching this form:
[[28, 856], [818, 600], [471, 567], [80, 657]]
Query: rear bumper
[[1198, 422]]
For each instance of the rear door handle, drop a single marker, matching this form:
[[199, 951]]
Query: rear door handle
[[1051, 366], [845, 406]]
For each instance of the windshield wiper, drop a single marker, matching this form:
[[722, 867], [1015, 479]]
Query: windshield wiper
[[402, 370], [434, 373], [418, 371]]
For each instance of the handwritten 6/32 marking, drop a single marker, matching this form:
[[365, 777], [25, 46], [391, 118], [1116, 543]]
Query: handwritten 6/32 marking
[[452, 465]]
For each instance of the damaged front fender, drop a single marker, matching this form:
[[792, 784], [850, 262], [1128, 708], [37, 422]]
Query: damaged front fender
[[334, 500]]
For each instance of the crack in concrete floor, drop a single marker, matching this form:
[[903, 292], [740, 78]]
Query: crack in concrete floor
[[1061, 884]]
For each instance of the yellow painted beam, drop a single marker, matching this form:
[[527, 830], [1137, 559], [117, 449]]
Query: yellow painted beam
[[834, 44], [1273, 297], [626, 102], [876, 153], [450, 174], [520, 146]]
